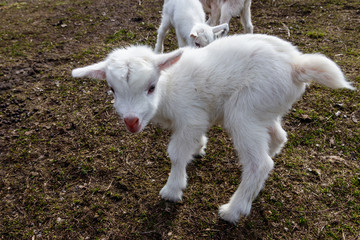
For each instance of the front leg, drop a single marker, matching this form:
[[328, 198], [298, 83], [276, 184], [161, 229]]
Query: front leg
[[182, 42], [183, 145], [164, 27], [176, 183]]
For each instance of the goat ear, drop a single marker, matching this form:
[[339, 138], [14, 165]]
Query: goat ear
[[96, 71], [193, 33], [167, 60], [222, 29]]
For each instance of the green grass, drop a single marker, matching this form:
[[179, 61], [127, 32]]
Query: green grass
[[316, 34]]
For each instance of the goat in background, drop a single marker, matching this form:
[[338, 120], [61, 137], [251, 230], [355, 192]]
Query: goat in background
[[188, 19], [221, 12]]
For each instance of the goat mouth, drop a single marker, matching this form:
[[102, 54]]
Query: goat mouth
[[133, 129]]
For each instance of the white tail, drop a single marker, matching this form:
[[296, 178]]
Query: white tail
[[317, 67]]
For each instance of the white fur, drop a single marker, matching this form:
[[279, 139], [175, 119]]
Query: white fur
[[221, 12], [188, 19], [244, 82]]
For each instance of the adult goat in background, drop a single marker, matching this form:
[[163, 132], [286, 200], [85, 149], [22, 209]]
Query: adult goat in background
[[221, 11], [244, 82]]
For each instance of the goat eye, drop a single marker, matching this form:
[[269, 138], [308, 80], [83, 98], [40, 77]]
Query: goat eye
[[151, 89]]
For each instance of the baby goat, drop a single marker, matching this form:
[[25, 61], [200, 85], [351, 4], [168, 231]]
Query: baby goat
[[188, 19], [244, 82], [222, 11]]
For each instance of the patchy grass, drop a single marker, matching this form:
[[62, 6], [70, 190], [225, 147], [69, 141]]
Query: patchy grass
[[70, 170], [316, 34]]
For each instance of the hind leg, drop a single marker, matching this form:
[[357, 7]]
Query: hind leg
[[250, 138], [257, 165], [278, 138]]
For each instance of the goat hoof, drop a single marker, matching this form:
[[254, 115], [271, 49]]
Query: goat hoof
[[171, 194], [228, 214], [199, 155]]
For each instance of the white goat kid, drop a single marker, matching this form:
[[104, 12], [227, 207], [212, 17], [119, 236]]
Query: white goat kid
[[245, 82], [188, 19], [221, 12]]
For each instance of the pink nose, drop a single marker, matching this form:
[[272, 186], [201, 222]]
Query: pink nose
[[132, 123]]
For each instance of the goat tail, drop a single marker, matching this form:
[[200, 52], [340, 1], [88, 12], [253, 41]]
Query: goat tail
[[318, 68]]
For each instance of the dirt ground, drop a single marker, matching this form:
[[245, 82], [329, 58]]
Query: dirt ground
[[70, 170]]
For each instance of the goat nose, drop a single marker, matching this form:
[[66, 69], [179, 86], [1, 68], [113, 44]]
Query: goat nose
[[132, 123]]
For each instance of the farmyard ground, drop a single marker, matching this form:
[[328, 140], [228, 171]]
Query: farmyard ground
[[70, 170]]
